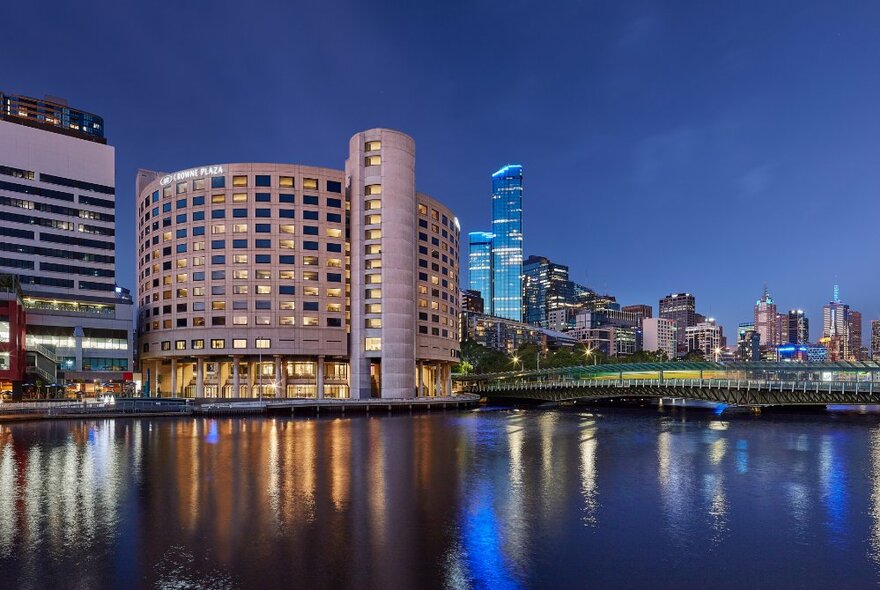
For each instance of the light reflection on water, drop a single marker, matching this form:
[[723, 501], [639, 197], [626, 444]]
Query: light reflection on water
[[501, 499]]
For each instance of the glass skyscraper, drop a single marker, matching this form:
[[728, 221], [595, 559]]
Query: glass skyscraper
[[507, 252], [480, 265]]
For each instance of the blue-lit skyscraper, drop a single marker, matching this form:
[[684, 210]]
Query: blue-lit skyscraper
[[480, 265], [507, 247]]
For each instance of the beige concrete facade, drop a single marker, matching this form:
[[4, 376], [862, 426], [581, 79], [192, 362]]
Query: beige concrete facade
[[297, 281]]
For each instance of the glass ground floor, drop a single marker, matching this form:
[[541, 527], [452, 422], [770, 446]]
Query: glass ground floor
[[254, 376]]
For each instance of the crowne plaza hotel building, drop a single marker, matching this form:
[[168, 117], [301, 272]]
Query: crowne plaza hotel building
[[295, 281]]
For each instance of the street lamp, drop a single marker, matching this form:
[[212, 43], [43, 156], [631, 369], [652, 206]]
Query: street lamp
[[515, 360], [588, 353], [717, 352]]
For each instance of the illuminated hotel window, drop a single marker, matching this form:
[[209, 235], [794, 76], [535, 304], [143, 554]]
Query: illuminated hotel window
[[239, 289], [373, 234], [218, 305], [182, 293], [285, 181], [181, 188], [373, 249], [263, 320], [334, 233], [218, 198], [286, 320], [373, 204], [372, 160], [182, 277], [373, 308], [239, 228], [374, 293], [310, 260], [373, 219], [263, 343], [374, 263], [198, 292], [199, 184], [198, 322], [218, 343], [334, 307], [198, 344], [422, 209], [240, 258], [239, 181], [286, 274], [166, 345], [374, 323], [334, 262], [264, 289], [311, 291], [310, 183], [372, 146], [373, 189], [372, 344], [180, 344], [240, 274], [239, 343], [287, 305], [373, 279], [310, 321], [263, 275], [334, 292], [287, 228], [199, 246], [218, 229], [286, 244]]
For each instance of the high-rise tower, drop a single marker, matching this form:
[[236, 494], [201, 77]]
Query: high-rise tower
[[480, 265], [765, 319], [507, 246]]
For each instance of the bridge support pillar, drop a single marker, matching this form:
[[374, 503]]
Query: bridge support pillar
[[236, 381], [173, 377]]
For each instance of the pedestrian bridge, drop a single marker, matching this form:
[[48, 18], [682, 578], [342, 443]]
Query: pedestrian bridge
[[735, 384]]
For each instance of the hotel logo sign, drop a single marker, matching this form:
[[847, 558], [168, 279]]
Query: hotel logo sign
[[191, 173]]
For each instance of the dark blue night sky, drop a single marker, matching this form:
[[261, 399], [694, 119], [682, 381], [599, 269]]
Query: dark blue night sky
[[701, 146]]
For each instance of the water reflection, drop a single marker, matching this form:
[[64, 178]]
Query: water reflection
[[504, 499]]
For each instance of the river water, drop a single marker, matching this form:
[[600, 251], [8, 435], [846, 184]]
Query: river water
[[479, 499]]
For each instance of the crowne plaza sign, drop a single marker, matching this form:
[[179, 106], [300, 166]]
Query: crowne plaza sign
[[191, 173]]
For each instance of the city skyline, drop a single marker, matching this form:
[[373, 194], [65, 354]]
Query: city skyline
[[724, 134]]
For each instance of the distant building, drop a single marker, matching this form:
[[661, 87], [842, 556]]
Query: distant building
[[835, 328], [707, 337], [507, 242], [500, 333], [546, 288], [875, 339], [800, 353], [681, 309], [765, 319], [12, 337], [854, 326], [645, 311], [480, 265], [749, 345], [612, 331], [796, 327], [658, 335], [471, 300]]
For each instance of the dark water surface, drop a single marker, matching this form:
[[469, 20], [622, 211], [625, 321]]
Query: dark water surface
[[483, 499]]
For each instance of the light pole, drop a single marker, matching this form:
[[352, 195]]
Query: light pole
[[588, 353], [515, 360], [717, 352]]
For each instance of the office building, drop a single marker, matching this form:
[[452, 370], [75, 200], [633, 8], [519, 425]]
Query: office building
[[500, 333], [244, 282], [765, 319], [681, 309], [854, 326], [58, 236], [549, 297], [875, 340], [658, 335], [472, 301], [796, 327], [480, 264], [507, 243], [748, 344], [644, 311], [611, 331], [706, 337], [836, 327]]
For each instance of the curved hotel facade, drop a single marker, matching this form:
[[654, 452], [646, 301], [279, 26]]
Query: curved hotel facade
[[296, 281]]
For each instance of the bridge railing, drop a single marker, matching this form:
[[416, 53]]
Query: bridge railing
[[757, 384]]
